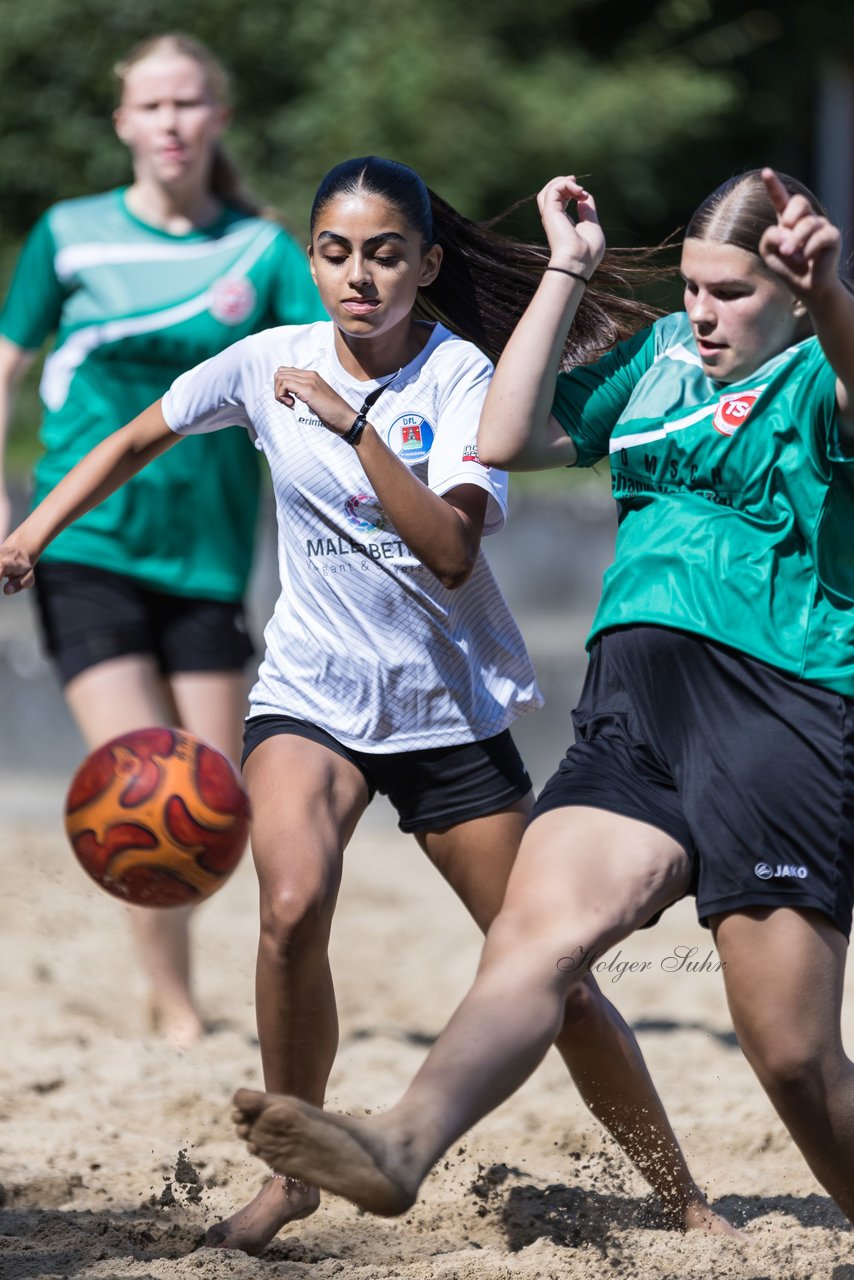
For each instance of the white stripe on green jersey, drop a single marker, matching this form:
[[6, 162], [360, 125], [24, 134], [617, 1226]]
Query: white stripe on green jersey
[[81, 257], [132, 307], [735, 503], [60, 367]]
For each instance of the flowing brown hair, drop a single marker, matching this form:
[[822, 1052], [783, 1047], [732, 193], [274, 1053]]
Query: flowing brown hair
[[488, 278]]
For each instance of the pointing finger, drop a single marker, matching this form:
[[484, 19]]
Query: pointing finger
[[779, 195]]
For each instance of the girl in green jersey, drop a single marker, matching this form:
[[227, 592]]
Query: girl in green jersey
[[715, 735], [141, 603]]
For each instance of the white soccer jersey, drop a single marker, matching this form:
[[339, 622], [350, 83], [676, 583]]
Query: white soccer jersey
[[364, 641]]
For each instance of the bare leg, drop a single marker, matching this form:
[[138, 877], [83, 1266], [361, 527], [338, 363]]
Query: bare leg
[[106, 700], [598, 1047], [610, 1073], [306, 801], [560, 911], [784, 973], [210, 705]]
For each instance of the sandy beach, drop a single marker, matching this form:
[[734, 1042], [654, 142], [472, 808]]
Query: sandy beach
[[116, 1151]]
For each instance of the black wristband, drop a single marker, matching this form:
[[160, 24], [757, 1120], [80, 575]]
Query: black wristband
[[566, 271], [354, 435]]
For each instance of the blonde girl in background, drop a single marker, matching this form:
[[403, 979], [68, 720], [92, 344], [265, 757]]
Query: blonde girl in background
[[141, 603]]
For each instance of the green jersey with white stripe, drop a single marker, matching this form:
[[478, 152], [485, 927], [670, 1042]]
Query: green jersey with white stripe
[[735, 502], [132, 307]]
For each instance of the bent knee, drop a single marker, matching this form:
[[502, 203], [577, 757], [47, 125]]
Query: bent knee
[[297, 916], [584, 1006], [787, 1065], [544, 944]]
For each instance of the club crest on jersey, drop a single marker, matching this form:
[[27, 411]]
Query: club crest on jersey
[[232, 299], [365, 513], [733, 411], [411, 437]]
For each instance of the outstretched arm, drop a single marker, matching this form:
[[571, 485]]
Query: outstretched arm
[[803, 248], [517, 430], [14, 362], [93, 479], [444, 531]]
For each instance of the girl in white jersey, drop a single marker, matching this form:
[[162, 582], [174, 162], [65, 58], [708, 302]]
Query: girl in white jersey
[[715, 735], [392, 662]]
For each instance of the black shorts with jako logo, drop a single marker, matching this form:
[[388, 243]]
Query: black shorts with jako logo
[[750, 769]]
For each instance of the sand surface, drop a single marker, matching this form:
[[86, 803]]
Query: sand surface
[[116, 1151]]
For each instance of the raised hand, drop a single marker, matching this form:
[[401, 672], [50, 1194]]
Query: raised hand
[[310, 389], [16, 568], [803, 246], [575, 245]]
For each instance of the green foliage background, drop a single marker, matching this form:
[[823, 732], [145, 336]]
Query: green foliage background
[[654, 102]]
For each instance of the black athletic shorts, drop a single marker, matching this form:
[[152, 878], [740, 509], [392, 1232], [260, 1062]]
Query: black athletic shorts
[[90, 615], [750, 769], [433, 788]]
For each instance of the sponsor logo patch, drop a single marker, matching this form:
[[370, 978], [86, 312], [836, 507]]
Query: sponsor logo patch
[[733, 411], [232, 299], [411, 437], [470, 453], [365, 513]]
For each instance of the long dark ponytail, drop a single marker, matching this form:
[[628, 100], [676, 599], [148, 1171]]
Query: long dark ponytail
[[487, 278]]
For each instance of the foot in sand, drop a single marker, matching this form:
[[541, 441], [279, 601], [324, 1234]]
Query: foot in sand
[[700, 1216], [176, 1021], [346, 1156], [280, 1201]]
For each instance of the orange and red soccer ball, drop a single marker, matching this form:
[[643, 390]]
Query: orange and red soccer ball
[[157, 817]]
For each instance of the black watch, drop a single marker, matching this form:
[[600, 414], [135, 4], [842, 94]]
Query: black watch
[[354, 435]]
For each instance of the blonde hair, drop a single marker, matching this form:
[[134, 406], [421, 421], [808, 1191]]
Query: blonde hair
[[739, 211], [226, 182]]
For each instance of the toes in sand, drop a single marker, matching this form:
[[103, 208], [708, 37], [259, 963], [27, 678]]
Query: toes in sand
[[702, 1217], [250, 1230]]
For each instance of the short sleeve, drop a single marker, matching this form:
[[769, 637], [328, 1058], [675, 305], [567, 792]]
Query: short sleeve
[[816, 400], [33, 305], [589, 400], [453, 457], [210, 396], [295, 299]]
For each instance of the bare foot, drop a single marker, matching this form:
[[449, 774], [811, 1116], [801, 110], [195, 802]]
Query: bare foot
[[338, 1153], [177, 1022], [700, 1216], [281, 1200]]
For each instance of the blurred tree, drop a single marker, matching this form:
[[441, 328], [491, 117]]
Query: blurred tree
[[652, 101]]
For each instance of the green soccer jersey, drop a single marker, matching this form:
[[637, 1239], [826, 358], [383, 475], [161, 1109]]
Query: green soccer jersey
[[133, 307], [735, 502]]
